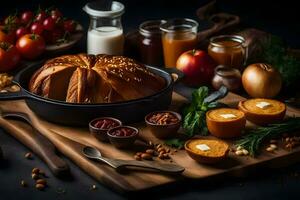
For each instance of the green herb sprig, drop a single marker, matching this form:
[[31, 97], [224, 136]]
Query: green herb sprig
[[194, 119], [194, 113], [253, 140]]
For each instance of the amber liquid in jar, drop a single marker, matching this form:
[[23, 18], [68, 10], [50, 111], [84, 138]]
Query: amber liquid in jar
[[228, 51], [174, 44], [178, 36]]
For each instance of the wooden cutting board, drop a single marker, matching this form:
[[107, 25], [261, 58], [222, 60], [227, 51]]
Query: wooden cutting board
[[70, 140]]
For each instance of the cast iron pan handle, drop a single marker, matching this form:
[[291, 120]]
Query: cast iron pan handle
[[13, 95], [176, 74]]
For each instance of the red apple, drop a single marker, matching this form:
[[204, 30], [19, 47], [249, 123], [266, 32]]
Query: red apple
[[197, 66]]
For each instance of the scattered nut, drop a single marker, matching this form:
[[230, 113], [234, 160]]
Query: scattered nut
[[273, 146], [150, 151], [239, 153], [94, 187], [146, 156], [35, 170], [3, 91], [161, 156], [28, 155], [270, 149], [161, 149], [41, 181], [35, 176], [245, 152], [39, 186]]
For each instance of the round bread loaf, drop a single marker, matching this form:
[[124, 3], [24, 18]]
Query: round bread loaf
[[102, 78]]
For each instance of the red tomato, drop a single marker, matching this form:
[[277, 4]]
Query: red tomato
[[49, 24], [37, 28], [9, 57], [56, 14], [52, 36], [21, 31], [7, 36], [26, 17], [31, 46], [69, 26], [41, 16]]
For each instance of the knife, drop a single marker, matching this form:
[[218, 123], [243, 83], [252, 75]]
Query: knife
[[38, 143], [219, 94]]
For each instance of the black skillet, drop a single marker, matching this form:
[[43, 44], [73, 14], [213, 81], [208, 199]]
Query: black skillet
[[80, 114]]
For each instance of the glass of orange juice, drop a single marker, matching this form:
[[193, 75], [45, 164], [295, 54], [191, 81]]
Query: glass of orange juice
[[178, 36]]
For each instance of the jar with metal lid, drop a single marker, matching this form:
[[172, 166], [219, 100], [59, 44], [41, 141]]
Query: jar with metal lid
[[229, 50], [150, 45], [105, 34]]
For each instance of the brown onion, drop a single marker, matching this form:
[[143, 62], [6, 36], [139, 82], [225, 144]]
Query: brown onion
[[261, 80]]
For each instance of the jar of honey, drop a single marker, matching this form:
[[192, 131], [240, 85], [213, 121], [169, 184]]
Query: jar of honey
[[178, 36], [228, 50], [150, 47]]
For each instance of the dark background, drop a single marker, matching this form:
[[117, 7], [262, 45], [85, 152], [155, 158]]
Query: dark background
[[277, 17]]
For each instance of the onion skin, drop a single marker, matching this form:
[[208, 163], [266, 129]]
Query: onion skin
[[261, 80]]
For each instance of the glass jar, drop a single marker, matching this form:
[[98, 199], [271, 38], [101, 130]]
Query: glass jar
[[227, 76], [178, 36], [228, 50], [105, 34], [150, 47]]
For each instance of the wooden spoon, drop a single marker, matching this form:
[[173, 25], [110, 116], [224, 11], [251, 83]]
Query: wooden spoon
[[38, 143]]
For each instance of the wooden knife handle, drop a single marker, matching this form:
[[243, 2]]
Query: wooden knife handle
[[40, 145]]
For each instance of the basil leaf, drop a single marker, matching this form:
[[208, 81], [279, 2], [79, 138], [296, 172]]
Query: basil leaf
[[199, 96], [194, 113], [191, 123]]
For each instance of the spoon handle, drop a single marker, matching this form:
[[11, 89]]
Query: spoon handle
[[163, 167], [38, 143]]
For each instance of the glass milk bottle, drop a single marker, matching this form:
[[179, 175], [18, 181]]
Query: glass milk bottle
[[105, 34]]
